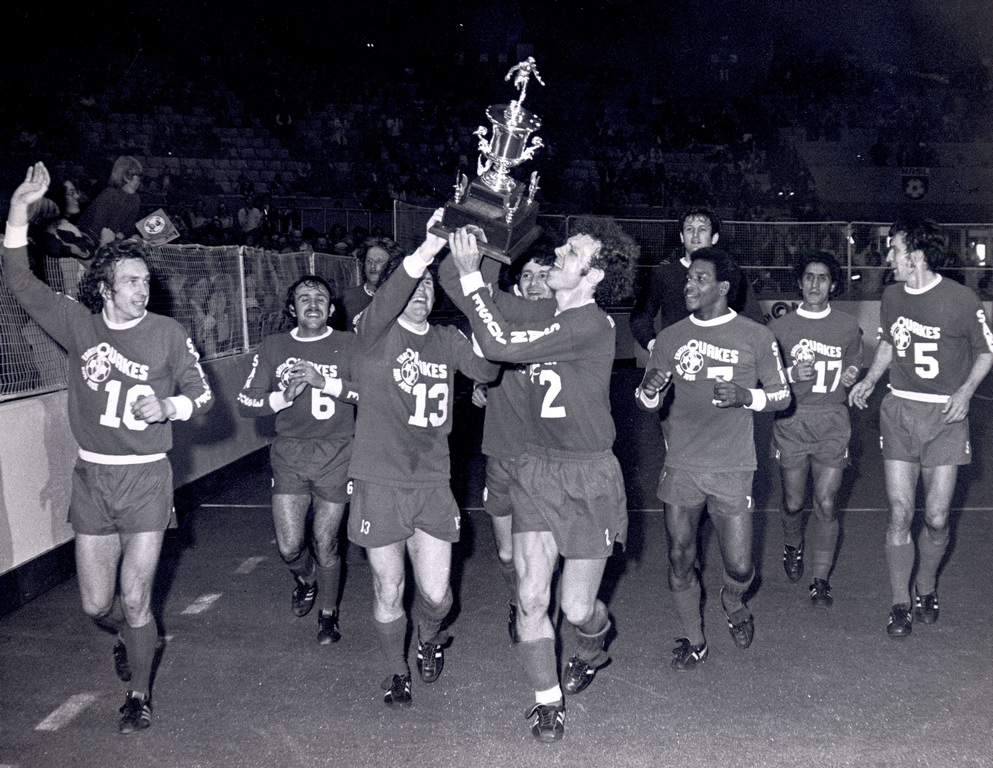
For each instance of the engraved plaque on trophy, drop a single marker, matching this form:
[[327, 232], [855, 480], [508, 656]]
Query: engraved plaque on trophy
[[503, 208]]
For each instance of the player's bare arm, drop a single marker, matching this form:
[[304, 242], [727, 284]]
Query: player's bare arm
[[861, 391]]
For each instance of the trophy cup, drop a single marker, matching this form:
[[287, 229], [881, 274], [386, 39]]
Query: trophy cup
[[501, 207]]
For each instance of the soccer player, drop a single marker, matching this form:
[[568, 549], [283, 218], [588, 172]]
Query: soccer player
[[506, 421], [823, 351], [662, 293], [131, 374], [301, 376], [402, 500], [373, 253], [568, 495], [721, 366], [935, 342]]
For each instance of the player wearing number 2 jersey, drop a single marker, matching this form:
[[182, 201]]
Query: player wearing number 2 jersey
[[131, 373], [402, 499], [823, 351], [568, 495], [721, 366], [936, 344], [301, 376]]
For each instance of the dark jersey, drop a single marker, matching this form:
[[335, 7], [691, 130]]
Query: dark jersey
[[936, 334], [314, 413], [112, 366], [831, 340], [407, 381], [700, 436]]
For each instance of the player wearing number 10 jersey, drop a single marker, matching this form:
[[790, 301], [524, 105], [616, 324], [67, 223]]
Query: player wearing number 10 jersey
[[402, 500], [936, 344], [302, 377], [131, 373], [823, 351], [568, 494]]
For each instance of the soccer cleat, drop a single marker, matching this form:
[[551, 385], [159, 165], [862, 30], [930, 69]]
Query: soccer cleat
[[121, 665], [430, 661], [926, 608], [304, 595], [793, 562], [820, 594], [579, 673], [901, 621], [512, 624], [136, 714], [742, 631], [547, 721], [327, 628], [397, 694], [688, 656]]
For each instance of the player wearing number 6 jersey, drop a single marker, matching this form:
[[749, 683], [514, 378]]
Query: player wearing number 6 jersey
[[131, 373], [823, 351], [721, 366], [936, 344], [301, 376], [402, 499], [568, 494]]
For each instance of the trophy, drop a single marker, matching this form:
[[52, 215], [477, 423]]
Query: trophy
[[501, 207]]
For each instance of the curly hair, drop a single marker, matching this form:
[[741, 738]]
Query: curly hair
[[819, 257], [392, 248], [289, 309], [617, 256], [923, 235], [103, 268], [725, 269]]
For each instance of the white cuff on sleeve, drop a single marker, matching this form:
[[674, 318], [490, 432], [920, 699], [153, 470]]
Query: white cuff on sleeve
[[183, 406], [15, 237], [758, 400], [332, 386], [472, 282]]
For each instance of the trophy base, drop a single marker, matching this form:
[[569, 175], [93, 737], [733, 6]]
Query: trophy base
[[504, 242]]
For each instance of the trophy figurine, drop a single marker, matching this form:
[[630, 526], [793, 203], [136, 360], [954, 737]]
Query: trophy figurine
[[494, 201]]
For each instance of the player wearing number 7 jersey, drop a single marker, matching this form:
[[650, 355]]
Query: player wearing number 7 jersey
[[823, 351], [302, 377], [721, 366], [935, 342], [402, 500], [131, 373], [568, 494]]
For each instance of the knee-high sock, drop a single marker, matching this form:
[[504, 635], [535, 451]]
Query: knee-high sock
[[509, 574], [328, 579], [429, 616], [792, 527], [823, 541], [540, 663], [688, 609], [302, 566], [931, 546], [392, 636], [590, 635], [733, 593], [900, 562], [113, 621], [141, 654]]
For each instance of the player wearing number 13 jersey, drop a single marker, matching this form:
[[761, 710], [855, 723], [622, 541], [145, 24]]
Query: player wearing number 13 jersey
[[568, 494], [935, 341], [402, 501], [131, 373], [302, 377]]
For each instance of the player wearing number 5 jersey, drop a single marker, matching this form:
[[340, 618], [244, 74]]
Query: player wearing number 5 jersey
[[823, 351], [936, 344], [302, 377], [722, 366], [402, 499], [131, 373], [568, 494]]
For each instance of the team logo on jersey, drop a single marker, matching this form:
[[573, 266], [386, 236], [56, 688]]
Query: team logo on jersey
[[802, 353], [99, 361], [410, 368], [904, 329], [692, 357]]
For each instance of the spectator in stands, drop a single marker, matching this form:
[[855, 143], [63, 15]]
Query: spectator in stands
[[224, 220], [249, 221], [374, 253], [114, 212], [197, 217]]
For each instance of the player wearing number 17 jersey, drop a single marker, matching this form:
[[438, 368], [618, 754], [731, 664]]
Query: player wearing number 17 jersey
[[823, 351], [936, 344], [131, 373], [302, 378], [402, 500], [568, 493]]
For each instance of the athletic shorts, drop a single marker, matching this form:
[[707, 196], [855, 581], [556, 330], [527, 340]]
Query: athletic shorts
[[121, 498], [496, 494], [916, 432], [384, 514], [820, 434], [579, 497], [723, 493], [304, 467]]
